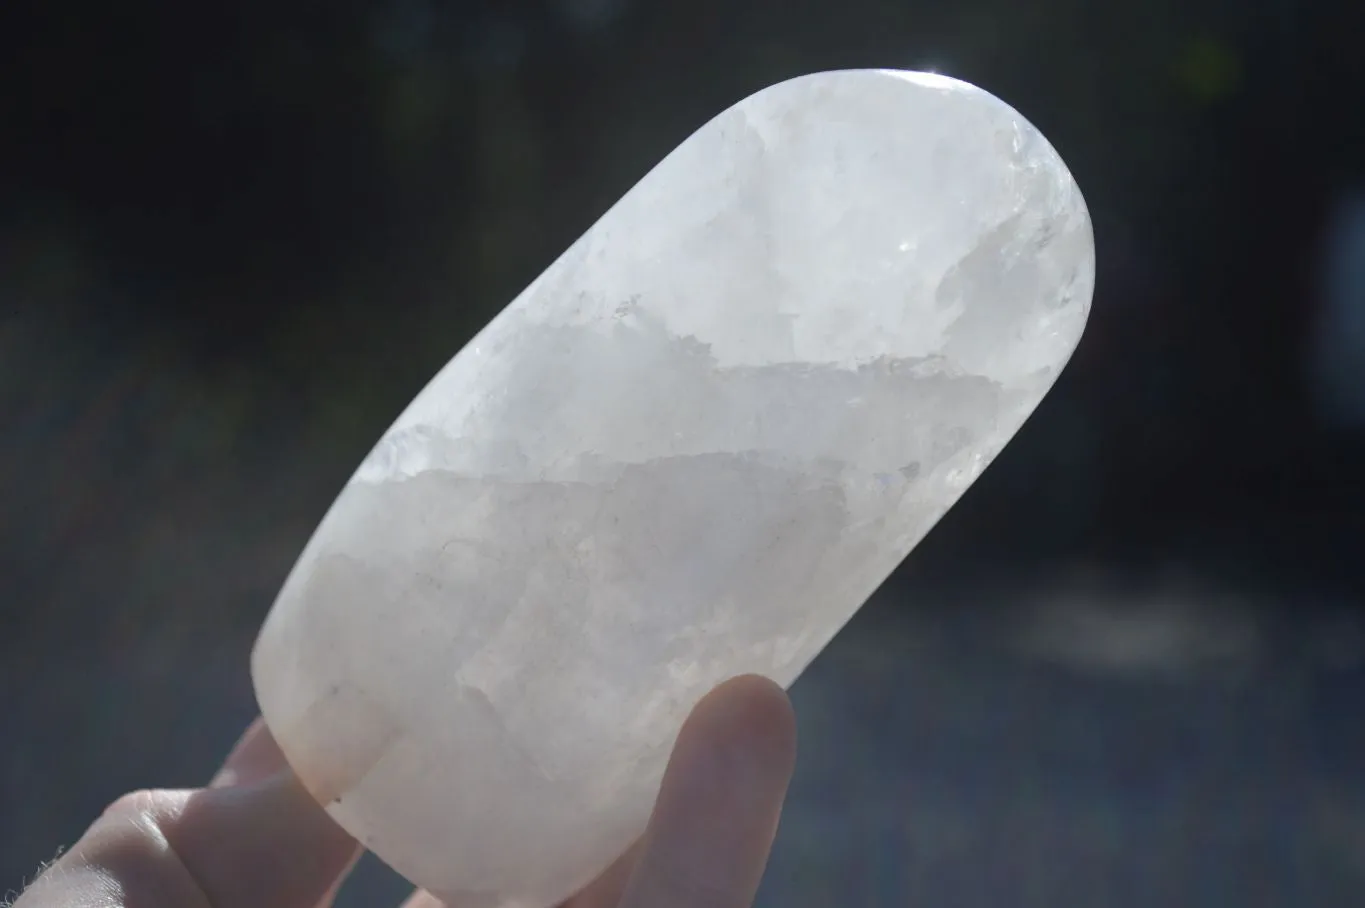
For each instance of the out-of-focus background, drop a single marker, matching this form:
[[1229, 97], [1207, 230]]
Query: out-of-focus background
[[1128, 669]]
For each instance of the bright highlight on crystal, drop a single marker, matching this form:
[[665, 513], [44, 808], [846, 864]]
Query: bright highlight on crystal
[[690, 450]]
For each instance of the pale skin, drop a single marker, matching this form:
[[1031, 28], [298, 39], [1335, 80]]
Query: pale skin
[[253, 838]]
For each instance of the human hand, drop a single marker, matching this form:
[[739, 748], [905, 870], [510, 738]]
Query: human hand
[[255, 839]]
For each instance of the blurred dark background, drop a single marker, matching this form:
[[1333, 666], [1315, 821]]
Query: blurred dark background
[[1128, 669]]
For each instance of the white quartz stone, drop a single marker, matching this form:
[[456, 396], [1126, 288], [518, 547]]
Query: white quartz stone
[[691, 449]]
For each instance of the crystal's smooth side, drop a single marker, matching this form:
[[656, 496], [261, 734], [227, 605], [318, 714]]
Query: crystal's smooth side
[[691, 449]]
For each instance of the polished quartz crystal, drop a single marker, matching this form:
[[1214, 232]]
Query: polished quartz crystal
[[691, 449]]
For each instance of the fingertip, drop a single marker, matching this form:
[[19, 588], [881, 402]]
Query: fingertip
[[254, 758], [750, 715]]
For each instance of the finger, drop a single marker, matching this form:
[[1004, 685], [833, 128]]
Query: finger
[[422, 899], [606, 891], [263, 844], [718, 807], [252, 759]]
